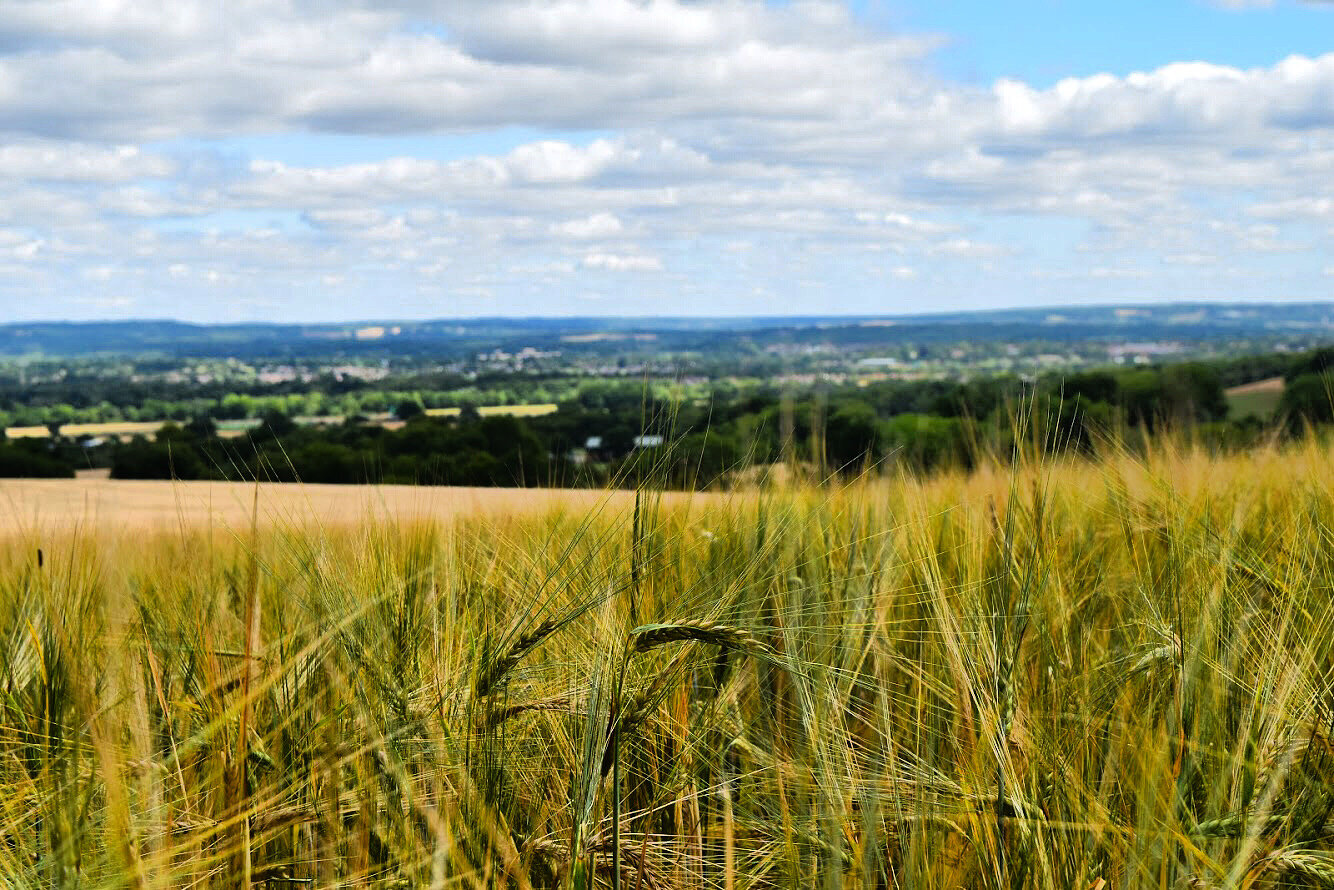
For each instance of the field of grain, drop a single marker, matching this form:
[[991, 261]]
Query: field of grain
[[99, 502], [1071, 675], [118, 429], [536, 410], [122, 429], [1260, 398]]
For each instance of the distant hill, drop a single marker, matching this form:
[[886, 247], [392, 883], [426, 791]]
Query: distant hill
[[1182, 321]]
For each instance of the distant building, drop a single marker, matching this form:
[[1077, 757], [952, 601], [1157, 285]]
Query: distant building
[[648, 441]]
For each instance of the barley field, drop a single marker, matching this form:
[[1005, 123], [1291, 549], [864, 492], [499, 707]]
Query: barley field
[[1074, 674], [98, 502]]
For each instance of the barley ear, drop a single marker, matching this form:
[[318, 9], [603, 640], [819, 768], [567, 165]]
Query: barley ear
[[651, 636], [497, 670]]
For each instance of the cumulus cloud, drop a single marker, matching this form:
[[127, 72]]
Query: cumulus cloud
[[1183, 103], [75, 162], [102, 67], [617, 262], [1303, 207], [599, 225], [651, 129]]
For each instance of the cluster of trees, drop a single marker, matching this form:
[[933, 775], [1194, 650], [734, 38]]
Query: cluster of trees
[[33, 459], [486, 451], [1308, 388]]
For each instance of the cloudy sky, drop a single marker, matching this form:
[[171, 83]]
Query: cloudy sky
[[321, 160]]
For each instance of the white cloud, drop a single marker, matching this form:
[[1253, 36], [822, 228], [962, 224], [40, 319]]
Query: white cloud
[[654, 128], [917, 226], [599, 225], [552, 161], [1191, 259], [1255, 237], [967, 247], [74, 162], [1306, 206], [1120, 273], [1188, 104], [114, 301], [28, 249], [617, 262], [93, 67]]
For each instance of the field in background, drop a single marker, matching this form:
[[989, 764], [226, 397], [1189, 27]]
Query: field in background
[[99, 502], [119, 430], [1260, 398], [228, 429], [1077, 675], [499, 410]]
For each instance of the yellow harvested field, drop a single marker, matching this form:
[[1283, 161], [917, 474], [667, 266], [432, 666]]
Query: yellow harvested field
[[120, 428], [26, 504], [1269, 384], [499, 410]]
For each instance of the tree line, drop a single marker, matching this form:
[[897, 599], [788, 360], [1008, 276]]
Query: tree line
[[615, 434]]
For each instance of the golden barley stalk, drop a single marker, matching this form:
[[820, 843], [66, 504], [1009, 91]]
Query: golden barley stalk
[[497, 716]]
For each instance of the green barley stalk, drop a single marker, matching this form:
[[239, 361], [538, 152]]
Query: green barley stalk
[[493, 674], [651, 636], [1314, 866]]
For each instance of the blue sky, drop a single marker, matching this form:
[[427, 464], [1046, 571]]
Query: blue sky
[[1042, 41], [314, 160]]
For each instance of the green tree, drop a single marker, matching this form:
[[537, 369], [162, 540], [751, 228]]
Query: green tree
[[701, 460], [170, 457], [924, 441], [1193, 392], [1095, 386], [1308, 398], [852, 436], [17, 461], [408, 409]]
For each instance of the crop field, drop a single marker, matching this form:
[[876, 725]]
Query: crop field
[[536, 410], [1260, 398], [118, 429], [98, 502], [1075, 675]]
